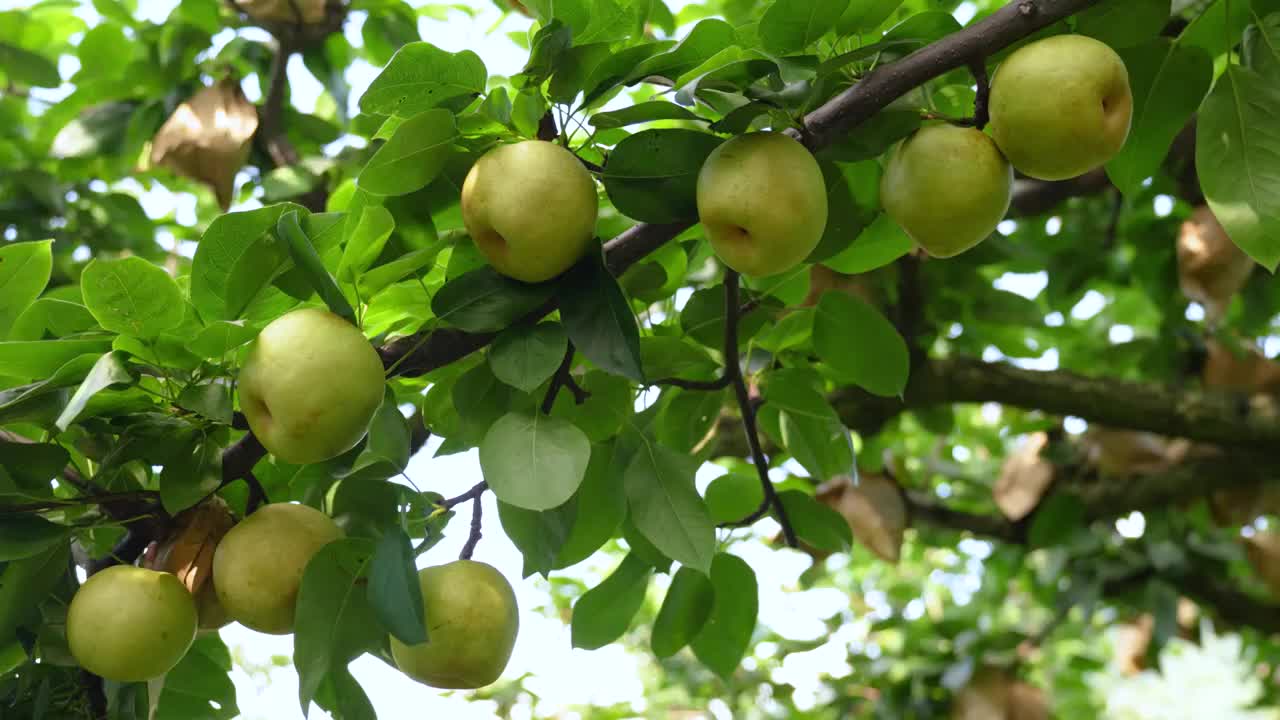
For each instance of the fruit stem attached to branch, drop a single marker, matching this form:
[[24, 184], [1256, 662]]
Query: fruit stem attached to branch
[[733, 371], [981, 110]]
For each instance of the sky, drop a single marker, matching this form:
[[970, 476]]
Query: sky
[[561, 676]]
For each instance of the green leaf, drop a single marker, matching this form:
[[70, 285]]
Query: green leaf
[[108, 371], [879, 244], [652, 176], [599, 506], [874, 136], [1238, 159], [538, 535], [792, 25], [1169, 81], [1261, 49], [733, 77], [22, 581], [373, 281], [860, 345], [22, 536], [608, 407], [533, 461], [642, 113], [221, 337], [414, 155], [32, 466], [484, 301], [1055, 520], [131, 296], [685, 610], [24, 271], [366, 241], [643, 549], [27, 360], [28, 68], [725, 636], [793, 391], [421, 76], [666, 508], [199, 687], [550, 42], [733, 497], [388, 441], [211, 399], [479, 399], [229, 246], [394, 591], [707, 38], [334, 622], [605, 611], [525, 356], [1124, 23], [816, 523], [853, 193], [687, 416], [823, 447], [308, 261], [191, 476], [924, 27], [51, 316], [610, 72], [598, 318], [1218, 27], [864, 15]]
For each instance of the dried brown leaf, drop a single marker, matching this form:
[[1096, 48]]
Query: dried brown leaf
[[208, 138], [1123, 453], [1263, 552], [874, 509], [1245, 370], [1024, 478], [1211, 268]]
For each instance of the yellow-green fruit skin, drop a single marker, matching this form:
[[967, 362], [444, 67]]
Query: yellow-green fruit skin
[[947, 187], [763, 203], [310, 385], [258, 566], [1061, 106], [472, 622], [531, 209], [130, 624]]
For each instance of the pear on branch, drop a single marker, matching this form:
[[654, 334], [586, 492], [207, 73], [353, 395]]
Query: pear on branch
[[1025, 477], [306, 12], [207, 138], [1211, 268], [874, 509]]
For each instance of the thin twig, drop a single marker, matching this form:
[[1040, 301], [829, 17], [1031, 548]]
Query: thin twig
[[719, 383], [474, 538], [475, 492], [733, 371], [562, 379], [133, 497]]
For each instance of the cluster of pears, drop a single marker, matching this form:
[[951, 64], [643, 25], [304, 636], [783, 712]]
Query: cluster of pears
[[131, 624], [531, 206], [1059, 107]]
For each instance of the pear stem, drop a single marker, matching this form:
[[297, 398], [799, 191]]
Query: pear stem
[[981, 103]]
